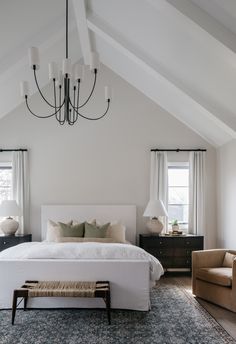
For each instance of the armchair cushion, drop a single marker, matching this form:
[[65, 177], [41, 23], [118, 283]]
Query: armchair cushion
[[228, 260], [221, 276]]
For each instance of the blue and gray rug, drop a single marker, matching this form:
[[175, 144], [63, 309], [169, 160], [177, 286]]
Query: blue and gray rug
[[176, 317]]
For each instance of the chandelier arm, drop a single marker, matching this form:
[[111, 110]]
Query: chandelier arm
[[90, 95], [74, 89], [58, 118], [47, 116], [40, 92], [90, 118], [55, 94], [74, 118], [78, 92]]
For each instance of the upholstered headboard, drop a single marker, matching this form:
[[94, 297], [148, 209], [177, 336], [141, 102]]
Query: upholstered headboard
[[125, 214]]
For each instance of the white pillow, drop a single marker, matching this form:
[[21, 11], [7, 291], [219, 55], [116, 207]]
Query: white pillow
[[116, 231], [53, 231]]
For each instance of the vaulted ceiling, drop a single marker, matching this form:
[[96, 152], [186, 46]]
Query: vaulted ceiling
[[179, 53]]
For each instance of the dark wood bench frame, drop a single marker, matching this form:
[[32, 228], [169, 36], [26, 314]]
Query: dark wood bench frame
[[100, 292]]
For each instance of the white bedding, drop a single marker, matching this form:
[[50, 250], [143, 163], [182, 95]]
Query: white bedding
[[90, 250]]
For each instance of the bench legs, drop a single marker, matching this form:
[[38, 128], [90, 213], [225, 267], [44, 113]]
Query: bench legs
[[16, 294]]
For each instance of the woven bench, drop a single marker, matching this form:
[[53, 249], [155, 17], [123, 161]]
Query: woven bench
[[99, 289]]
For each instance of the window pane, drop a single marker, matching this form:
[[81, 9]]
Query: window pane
[[178, 176], [178, 212], [179, 195], [5, 183]]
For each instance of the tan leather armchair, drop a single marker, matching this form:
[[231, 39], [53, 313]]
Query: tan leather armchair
[[214, 276]]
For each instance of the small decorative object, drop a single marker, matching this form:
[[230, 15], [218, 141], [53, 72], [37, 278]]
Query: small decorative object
[[154, 209], [175, 226], [9, 208]]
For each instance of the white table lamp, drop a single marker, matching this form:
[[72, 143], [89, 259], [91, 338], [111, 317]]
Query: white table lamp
[[154, 209], [9, 208]]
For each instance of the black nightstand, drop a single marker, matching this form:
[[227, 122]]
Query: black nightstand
[[172, 251], [7, 241]]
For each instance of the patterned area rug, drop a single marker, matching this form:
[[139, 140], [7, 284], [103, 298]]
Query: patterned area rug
[[176, 317]]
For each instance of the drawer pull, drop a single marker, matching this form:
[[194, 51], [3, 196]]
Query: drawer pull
[[187, 243], [4, 242], [160, 242]]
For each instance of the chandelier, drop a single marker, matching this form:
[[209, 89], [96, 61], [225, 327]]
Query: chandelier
[[66, 86]]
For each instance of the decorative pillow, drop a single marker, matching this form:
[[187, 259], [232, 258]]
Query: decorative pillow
[[71, 231], [53, 230], [116, 231], [76, 222], [228, 260], [93, 231], [77, 239]]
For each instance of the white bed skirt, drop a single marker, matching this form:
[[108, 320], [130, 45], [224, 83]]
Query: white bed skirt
[[130, 281]]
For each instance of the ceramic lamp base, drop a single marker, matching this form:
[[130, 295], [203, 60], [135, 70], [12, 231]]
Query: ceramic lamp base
[[9, 226], [155, 226]]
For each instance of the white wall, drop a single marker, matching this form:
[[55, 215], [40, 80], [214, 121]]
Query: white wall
[[104, 162], [226, 205]]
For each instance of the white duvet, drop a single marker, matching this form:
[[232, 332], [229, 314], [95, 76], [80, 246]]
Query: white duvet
[[89, 250]]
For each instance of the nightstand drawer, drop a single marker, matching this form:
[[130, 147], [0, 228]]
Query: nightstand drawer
[[13, 240], [160, 252], [5, 243]]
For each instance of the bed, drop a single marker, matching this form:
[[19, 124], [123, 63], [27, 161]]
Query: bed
[[131, 271]]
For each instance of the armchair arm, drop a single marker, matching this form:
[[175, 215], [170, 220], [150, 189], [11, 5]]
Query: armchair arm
[[206, 259], [234, 276]]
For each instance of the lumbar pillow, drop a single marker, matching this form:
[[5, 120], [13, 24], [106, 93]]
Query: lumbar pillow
[[83, 240], [53, 230], [116, 231], [93, 231], [228, 260], [72, 231]]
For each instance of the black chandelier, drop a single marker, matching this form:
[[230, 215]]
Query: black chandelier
[[66, 110]]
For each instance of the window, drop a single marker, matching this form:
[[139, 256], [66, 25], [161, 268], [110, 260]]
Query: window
[[5, 181], [178, 193]]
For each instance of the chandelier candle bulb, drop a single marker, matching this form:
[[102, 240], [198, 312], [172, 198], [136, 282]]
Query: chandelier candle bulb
[[24, 88], [52, 69], [66, 66], [34, 57], [94, 61], [82, 72], [60, 79], [107, 92], [77, 71]]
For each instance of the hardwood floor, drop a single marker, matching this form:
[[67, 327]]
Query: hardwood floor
[[224, 317]]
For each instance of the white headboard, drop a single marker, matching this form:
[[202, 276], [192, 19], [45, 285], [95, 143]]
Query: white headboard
[[125, 214]]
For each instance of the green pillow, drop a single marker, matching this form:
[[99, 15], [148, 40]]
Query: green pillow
[[93, 231], [71, 231]]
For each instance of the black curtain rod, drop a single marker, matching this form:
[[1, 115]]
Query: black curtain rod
[[14, 150], [178, 150]]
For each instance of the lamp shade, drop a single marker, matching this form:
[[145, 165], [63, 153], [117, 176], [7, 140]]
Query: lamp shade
[[9, 208], [155, 208]]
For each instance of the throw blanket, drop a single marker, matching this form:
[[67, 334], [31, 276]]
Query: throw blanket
[[89, 250]]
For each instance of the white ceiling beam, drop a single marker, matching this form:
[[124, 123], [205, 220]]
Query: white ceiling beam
[[206, 22], [153, 84], [81, 21]]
